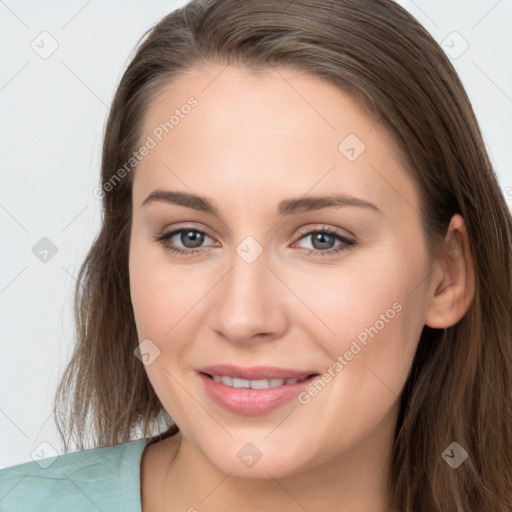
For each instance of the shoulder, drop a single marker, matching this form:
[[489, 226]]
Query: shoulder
[[106, 478]]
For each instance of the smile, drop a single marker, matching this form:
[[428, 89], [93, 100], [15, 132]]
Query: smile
[[254, 384], [252, 391]]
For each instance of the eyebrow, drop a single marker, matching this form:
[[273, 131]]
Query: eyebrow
[[286, 207]]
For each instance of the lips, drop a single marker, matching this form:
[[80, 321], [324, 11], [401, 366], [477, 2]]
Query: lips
[[256, 372], [253, 391]]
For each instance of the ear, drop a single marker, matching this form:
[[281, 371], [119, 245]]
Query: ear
[[453, 283]]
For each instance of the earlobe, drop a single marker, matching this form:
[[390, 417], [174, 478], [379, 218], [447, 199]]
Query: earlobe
[[454, 279]]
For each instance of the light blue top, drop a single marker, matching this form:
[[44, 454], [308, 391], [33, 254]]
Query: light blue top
[[99, 479]]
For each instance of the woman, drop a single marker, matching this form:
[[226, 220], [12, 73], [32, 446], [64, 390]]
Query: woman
[[371, 373]]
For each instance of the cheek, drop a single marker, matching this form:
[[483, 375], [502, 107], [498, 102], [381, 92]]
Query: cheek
[[375, 315], [161, 293], [149, 301], [354, 299], [161, 299], [169, 303]]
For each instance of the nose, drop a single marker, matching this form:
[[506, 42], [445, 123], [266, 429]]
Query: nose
[[249, 302]]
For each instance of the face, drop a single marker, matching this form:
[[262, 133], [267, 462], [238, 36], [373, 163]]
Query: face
[[271, 286]]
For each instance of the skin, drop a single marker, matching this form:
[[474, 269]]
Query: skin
[[252, 141]]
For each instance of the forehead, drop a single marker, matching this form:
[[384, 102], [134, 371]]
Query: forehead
[[264, 102], [269, 130]]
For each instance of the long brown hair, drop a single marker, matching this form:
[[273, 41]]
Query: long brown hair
[[460, 385]]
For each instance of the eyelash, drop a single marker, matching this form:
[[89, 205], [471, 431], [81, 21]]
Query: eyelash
[[347, 243]]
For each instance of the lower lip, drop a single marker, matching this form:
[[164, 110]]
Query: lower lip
[[251, 402]]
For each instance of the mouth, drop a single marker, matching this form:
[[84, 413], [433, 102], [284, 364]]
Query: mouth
[[255, 373], [234, 382], [253, 391]]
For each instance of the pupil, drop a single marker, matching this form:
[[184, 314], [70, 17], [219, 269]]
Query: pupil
[[186, 237], [321, 238]]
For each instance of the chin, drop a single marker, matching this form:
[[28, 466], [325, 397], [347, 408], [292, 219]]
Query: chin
[[258, 459]]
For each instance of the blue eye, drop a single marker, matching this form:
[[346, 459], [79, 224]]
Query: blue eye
[[327, 236], [322, 236], [165, 240]]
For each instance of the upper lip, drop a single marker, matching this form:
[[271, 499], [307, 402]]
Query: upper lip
[[255, 372]]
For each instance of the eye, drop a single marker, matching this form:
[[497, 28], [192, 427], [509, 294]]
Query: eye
[[192, 239], [324, 238]]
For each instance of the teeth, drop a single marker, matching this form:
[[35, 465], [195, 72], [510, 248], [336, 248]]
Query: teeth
[[258, 384], [240, 383], [254, 384]]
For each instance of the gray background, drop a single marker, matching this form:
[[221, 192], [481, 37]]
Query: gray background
[[52, 116]]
